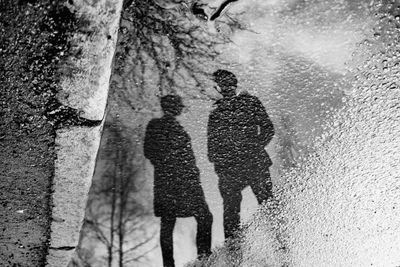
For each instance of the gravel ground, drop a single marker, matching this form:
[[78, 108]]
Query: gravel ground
[[33, 42]]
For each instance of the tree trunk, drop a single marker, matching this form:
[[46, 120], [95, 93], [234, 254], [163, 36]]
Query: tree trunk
[[121, 205], [113, 207]]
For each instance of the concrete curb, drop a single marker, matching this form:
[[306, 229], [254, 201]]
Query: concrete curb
[[74, 170], [77, 147]]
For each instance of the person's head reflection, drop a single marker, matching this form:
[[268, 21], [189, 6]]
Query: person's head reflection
[[172, 105], [226, 81]]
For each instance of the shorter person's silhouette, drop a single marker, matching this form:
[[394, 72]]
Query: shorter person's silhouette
[[177, 188]]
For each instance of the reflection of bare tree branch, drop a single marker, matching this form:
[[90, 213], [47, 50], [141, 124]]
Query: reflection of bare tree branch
[[221, 9], [198, 11], [114, 212], [82, 258], [97, 230], [234, 23], [164, 38], [144, 242], [138, 258]]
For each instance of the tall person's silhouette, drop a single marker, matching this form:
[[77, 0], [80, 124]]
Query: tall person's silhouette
[[238, 131], [177, 188]]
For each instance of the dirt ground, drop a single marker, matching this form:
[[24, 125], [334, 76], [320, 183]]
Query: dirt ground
[[33, 42]]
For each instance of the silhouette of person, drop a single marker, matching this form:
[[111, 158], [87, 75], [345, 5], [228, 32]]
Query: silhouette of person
[[177, 188], [238, 131]]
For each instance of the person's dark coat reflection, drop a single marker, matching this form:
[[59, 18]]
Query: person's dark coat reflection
[[238, 131], [177, 188]]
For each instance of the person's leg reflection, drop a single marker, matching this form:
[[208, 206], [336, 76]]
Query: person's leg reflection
[[204, 230], [262, 187], [166, 240], [231, 201]]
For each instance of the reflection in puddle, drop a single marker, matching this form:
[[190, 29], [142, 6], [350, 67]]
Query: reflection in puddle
[[327, 73]]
